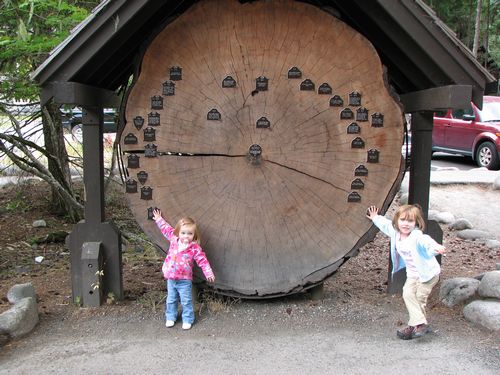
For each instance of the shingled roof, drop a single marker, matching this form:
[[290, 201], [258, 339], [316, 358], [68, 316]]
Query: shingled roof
[[419, 51]]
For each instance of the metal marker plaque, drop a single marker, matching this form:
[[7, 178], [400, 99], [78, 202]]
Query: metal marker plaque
[[133, 161], [131, 186], [377, 120], [357, 143], [255, 151], [354, 197], [361, 170], [373, 156], [346, 114], [228, 82], [357, 184], [142, 176], [355, 98], [325, 89], [307, 85], [214, 115], [261, 83], [353, 128], [362, 114], [153, 119], [263, 122], [130, 139], [175, 73], [294, 72], [168, 88], [157, 102], [146, 193], [149, 134], [336, 101], [150, 150], [138, 122]]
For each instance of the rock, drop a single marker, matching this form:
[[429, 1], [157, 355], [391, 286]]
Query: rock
[[498, 266], [490, 285], [496, 183], [21, 318], [20, 291], [457, 290], [432, 214], [484, 313], [461, 224], [444, 217], [39, 223], [492, 244], [472, 234]]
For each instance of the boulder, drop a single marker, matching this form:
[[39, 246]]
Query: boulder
[[21, 318], [492, 244], [489, 286], [457, 290], [461, 224], [20, 291], [444, 217], [472, 234], [484, 313]]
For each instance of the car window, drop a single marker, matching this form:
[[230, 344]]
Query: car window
[[490, 112], [459, 113]]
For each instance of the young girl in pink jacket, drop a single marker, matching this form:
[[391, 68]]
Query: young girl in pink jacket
[[178, 267]]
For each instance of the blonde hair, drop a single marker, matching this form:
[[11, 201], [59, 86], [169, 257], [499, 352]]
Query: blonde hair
[[412, 212], [189, 222]]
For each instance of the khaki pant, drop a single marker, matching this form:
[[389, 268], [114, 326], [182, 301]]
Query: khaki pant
[[415, 294]]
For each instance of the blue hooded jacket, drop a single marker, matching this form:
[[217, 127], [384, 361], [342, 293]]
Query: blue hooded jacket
[[422, 248]]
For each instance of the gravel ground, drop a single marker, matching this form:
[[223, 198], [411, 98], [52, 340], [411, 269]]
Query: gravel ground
[[352, 330]]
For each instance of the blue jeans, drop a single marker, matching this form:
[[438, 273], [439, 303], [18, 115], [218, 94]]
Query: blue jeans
[[179, 289]]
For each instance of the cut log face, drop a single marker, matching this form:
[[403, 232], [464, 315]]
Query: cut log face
[[271, 125]]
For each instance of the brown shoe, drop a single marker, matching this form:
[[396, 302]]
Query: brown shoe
[[406, 333], [420, 330]]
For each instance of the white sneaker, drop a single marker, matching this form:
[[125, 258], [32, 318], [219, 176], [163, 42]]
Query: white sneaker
[[186, 325], [169, 323]]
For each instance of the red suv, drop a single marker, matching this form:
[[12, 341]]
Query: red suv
[[471, 132]]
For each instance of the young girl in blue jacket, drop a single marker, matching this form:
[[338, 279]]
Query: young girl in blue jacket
[[416, 251]]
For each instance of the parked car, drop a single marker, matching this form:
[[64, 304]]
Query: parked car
[[72, 121], [471, 132]]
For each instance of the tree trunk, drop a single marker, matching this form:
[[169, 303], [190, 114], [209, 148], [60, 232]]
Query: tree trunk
[[270, 123], [59, 165], [477, 28]]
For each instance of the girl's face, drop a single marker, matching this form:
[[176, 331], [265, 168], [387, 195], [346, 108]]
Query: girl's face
[[406, 224], [186, 233]]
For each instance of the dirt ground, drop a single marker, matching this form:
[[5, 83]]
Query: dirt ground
[[352, 329]]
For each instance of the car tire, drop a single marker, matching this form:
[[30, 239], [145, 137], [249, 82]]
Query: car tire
[[487, 156]]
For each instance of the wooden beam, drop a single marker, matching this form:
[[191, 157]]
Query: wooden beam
[[434, 99], [79, 94]]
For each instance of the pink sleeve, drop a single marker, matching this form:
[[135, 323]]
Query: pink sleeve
[[166, 229], [201, 260]]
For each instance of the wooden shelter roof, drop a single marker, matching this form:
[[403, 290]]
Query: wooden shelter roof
[[419, 51]]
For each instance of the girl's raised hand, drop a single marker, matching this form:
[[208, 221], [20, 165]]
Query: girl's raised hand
[[211, 279], [440, 249], [371, 212], [156, 214]]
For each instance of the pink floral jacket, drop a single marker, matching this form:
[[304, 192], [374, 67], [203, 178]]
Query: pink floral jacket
[[178, 264]]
